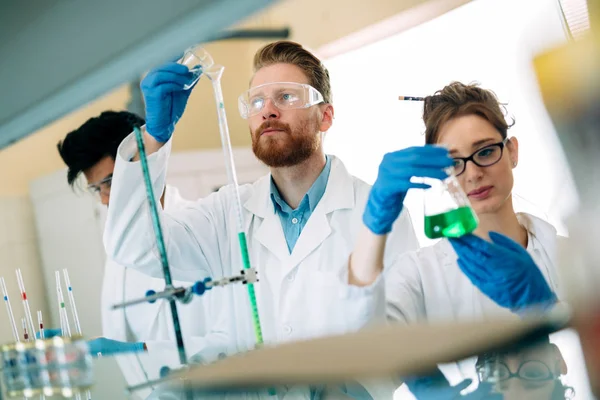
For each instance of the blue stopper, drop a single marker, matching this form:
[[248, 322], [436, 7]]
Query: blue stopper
[[164, 371], [199, 288], [151, 293]]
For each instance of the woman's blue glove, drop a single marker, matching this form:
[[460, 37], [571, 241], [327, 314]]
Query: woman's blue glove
[[108, 347], [165, 98], [437, 387], [504, 271], [394, 181]]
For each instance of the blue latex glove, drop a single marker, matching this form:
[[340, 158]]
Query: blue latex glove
[[49, 333], [394, 181], [108, 347], [437, 387], [165, 98], [101, 345], [504, 271]]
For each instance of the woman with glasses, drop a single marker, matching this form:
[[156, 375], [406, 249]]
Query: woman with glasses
[[532, 372], [506, 265]]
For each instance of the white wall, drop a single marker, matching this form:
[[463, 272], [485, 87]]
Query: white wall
[[489, 41], [69, 237], [18, 249]]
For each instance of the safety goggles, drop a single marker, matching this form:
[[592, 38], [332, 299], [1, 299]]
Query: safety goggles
[[101, 187], [284, 95]]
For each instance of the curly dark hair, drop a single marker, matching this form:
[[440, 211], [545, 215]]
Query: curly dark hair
[[97, 138]]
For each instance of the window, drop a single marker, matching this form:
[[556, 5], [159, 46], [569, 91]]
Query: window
[[575, 17], [488, 41]]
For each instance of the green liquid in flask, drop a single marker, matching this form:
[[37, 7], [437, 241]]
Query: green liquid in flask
[[454, 223]]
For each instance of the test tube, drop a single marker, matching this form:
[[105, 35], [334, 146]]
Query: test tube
[[25, 302], [64, 319], [11, 316]]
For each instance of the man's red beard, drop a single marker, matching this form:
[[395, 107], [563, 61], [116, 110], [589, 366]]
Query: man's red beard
[[286, 148]]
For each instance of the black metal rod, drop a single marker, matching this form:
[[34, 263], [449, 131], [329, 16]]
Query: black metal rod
[[160, 242]]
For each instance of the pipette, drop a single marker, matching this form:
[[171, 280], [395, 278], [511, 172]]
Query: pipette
[[25, 333], [198, 60], [11, 316], [78, 330], [42, 337], [214, 74], [25, 303], [72, 302], [64, 319], [41, 325], [411, 98], [160, 242]]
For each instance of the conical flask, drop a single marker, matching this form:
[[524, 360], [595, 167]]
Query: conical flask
[[197, 60], [448, 212]]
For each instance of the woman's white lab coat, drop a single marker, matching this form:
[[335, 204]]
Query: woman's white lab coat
[[428, 285], [300, 295], [148, 323]]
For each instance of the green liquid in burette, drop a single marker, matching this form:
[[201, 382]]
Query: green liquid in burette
[[453, 223]]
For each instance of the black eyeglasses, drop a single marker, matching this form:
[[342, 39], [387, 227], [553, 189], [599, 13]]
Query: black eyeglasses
[[498, 371], [484, 157]]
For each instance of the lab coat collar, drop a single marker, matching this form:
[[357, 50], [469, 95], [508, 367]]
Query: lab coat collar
[[310, 199], [543, 233], [172, 197], [339, 194], [544, 242]]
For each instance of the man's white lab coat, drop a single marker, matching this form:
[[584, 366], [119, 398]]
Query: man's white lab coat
[[300, 295]]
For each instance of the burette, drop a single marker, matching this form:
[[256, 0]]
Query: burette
[[214, 74], [195, 59]]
